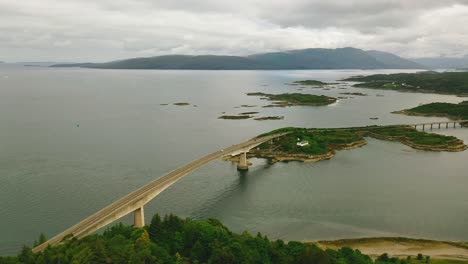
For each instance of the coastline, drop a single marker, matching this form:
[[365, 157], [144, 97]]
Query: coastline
[[401, 247], [423, 91], [456, 145], [274, 157]]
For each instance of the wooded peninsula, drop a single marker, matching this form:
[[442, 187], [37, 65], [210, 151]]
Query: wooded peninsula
[[453, 111], [455, 83]]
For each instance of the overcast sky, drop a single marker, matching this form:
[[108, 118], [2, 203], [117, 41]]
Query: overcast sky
[[101, 30]]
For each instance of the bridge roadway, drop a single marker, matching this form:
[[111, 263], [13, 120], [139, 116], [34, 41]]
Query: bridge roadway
[[439, 123], [135, 201]]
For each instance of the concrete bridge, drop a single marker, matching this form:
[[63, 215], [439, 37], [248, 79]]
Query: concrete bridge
[[135, 201], [441, 123]]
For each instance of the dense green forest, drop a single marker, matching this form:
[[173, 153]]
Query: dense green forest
[[444, 83], [175, 240], [456, 111]]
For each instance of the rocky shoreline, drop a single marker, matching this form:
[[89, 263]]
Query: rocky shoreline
[[273, 156], [453, 146]]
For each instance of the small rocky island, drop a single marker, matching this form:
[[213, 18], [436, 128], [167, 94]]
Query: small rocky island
[[311, 83], [355, 93], [181, 104], [235, 117], [292, 99], [248, 115], [245, 106], [453, 111], [269, 118], [312, 145], [176, 104]]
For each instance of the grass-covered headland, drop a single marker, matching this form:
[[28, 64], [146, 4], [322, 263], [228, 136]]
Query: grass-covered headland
[[176, 240], [322, 143], [426, 82], [453, 111]]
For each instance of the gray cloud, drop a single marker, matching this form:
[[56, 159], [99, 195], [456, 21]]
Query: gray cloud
[[357, 14], [100, 30]]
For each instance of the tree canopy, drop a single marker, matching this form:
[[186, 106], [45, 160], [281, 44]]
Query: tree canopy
[[174, 240]]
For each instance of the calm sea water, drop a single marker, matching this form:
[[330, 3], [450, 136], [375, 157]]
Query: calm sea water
[[74, 140]]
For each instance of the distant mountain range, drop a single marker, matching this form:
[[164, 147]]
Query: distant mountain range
[[341, 58], [444, 62]]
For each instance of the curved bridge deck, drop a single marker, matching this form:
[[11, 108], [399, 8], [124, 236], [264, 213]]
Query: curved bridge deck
[[135, 201]]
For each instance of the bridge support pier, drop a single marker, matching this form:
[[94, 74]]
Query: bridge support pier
[[139, 217], [243, 163]]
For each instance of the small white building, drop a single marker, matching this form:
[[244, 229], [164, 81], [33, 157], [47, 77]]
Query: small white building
[[302, 143]]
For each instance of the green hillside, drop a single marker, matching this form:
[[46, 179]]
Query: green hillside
[[456, 111], [342, 58], [176, 240]]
